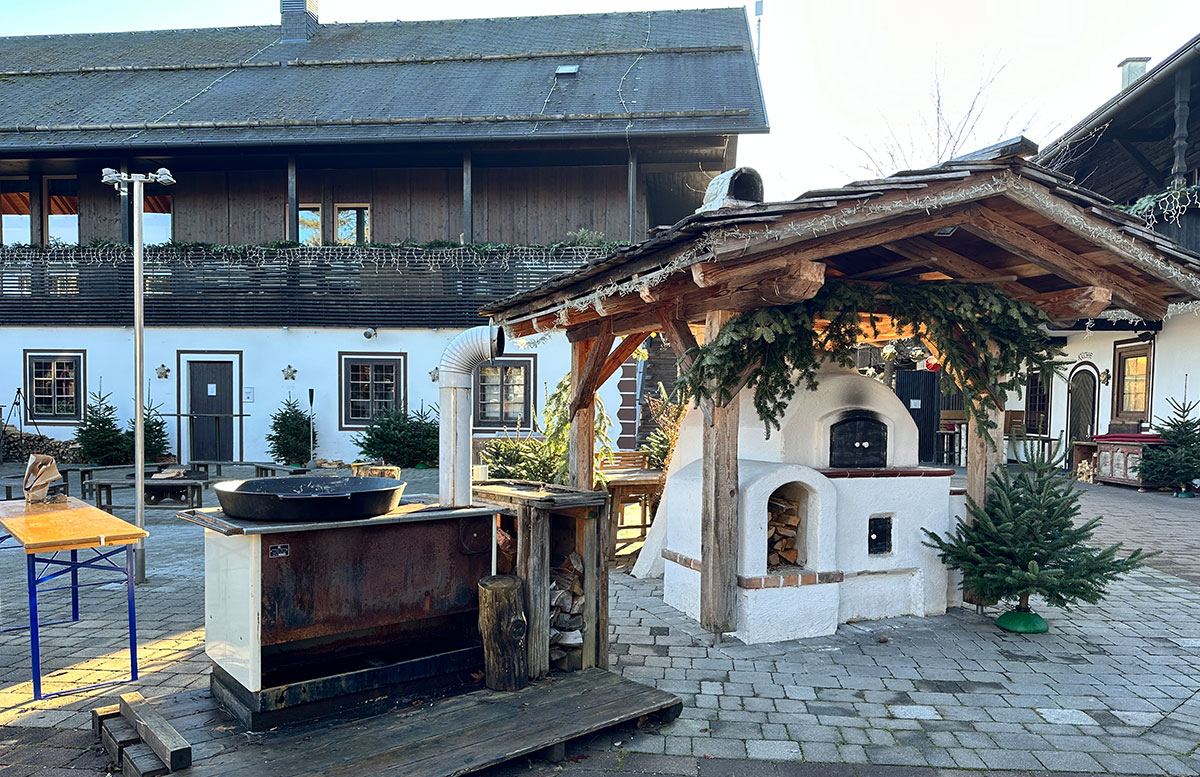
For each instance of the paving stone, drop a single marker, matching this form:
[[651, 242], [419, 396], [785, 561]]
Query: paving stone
[[1073, 717], [1065, 761], [914, 711], [772, 750], [1008, 759]]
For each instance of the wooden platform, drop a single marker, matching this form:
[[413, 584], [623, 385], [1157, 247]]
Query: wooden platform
[[445, 738]]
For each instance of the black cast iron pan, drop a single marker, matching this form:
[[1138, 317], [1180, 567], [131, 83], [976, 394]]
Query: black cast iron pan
[[288, 499]]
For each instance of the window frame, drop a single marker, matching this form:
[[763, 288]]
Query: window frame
[[46, 214], [79, 355], [366, 232], [1031, 412], [348, 358], [310, 206], [29, 184], [1126, 349], [527, 423]]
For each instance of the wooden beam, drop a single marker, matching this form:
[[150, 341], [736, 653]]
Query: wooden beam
[[719, 509], [679, 337], [468, 208], [1044, 252], [631, 189], [623, 351], [1183, 93], [38, 210], [581, 453], [1153, 173], [893, 269], [293, 202], [709, 274], [584, 383], [1074, 304], [953, 263]]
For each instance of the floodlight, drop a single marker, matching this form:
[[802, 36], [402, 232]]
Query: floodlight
[[110, 176], [163, 176]]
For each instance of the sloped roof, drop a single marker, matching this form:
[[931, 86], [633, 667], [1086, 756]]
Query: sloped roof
[[865, 229], [677, 72]]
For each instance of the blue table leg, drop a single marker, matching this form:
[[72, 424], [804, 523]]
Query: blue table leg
[[35, 648], [74, 585], [129, 578]]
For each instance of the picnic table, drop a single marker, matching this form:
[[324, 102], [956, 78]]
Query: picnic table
[[262, 469], [46, 530], [88, 472], [186, 490]]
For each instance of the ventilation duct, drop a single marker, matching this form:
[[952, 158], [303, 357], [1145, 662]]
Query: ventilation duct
[[454, 374]]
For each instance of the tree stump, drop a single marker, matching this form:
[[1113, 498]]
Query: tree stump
[[503, 628]]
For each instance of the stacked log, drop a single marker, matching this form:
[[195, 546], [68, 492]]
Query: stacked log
[[566, 614], [783, 522]]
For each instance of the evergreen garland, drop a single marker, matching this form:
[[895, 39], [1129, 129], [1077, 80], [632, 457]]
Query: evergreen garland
[[1177, 463], [1024, 541], [781, 348]]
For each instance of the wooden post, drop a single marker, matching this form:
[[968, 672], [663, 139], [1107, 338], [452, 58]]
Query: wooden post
[[1183, 92], [719, 511], [468, 208], [587, 545], [582, 452], [533, 566], [631, 193], [293, 203], [599, 516], [985, 453], [37, 210], [126, 207], [503, 629]]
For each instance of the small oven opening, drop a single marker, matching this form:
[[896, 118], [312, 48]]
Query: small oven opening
[[787, 526], [879, 535], [858, 441]]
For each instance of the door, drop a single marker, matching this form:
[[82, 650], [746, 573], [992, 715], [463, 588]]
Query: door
[[1081, 406], [920, 391], [210, 403], [858, 442]]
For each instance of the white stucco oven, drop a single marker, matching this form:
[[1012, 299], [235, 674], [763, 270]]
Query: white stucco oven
[[842, 476]]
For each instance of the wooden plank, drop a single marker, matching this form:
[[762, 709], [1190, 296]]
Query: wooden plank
[[1073, 304], [587, 545], [68, 525], [719, 510], [536, 558], [1153, 173], [468, 207], [293, 202], [101, 714], [582, 442], [953, 263], [985, 452], [171, 748], [1044, 252], [599, 516], [622, 352], [140, 761], [585, 382], [679, 337], [116, 734]]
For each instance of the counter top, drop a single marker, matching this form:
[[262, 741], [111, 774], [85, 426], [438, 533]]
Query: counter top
[[408, 511]]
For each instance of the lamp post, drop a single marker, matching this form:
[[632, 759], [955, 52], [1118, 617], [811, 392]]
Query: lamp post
[[121, 182]]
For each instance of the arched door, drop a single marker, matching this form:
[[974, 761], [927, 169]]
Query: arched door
[[1081, 406]]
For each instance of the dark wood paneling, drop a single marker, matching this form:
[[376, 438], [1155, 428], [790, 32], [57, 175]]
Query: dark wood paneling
[[201, 208], [99, 210], [541, 205], [257, 206]]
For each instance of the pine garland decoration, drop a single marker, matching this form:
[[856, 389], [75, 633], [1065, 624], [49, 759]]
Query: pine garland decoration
[[1023, 541], [1177, 463], [781, 349]]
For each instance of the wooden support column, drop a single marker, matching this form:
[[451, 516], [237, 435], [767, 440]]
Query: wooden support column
[[985, 452], [293, 202], [328, 207], [37, 210], [468, 208], [581, 454], [719, 508], [126, 205], [1183, 92], [631, 194]]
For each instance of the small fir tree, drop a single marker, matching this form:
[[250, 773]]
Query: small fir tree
[[1177, 463], [1023, 542], [154, 432], [288, 440], [99, 437]]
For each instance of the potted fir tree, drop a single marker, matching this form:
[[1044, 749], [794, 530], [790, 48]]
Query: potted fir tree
[[1023, 542], [1177, 463]]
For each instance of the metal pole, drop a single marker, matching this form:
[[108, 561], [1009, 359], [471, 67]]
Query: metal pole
[[139, 358]]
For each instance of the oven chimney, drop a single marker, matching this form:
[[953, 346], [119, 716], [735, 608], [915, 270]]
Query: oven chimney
[[464, 353], [298, 20], [1132, 68]]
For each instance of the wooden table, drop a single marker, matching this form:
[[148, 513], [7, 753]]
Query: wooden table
[[44, 531], [16, 485], [629, 486], [88, 472], [194, 489]]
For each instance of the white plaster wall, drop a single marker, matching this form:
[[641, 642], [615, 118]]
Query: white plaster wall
[[870, 597], [913, 503], [681, 589], [776, 614], [265, 352], [757, 480], [958, 512]]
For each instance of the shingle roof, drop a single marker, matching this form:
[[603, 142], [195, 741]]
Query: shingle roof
[[679, 72]]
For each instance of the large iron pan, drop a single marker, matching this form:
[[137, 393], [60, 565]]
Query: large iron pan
[[294, 499]]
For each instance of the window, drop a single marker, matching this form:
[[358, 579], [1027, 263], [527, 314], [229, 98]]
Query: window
[[353, 225], [54, 387], [1037, 405], [14, 211], [1131, 388], [372, 384], [156, 219], [310, 225], [62, 211], [504, 393]]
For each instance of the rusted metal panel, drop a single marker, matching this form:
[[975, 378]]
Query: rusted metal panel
[[330, 583]]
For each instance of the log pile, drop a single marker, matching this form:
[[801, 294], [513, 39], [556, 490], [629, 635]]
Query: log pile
[[783, 521], [566, 614]]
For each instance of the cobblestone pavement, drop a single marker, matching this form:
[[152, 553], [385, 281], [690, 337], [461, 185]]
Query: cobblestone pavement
[[1112, 688]]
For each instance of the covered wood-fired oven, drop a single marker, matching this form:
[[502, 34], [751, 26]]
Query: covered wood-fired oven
[[830, 512]]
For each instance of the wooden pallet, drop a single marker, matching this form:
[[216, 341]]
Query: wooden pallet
[[445, 738]]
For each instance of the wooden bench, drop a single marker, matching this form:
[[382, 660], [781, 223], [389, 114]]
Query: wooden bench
[[262, 469], [629, 480], [88, 472], [16, 485], [194, 490]]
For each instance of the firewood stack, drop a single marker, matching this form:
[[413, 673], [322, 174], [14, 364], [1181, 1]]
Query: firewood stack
[[783, 521], [566, 614]]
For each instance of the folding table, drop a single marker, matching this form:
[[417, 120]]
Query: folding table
[[44, 531]]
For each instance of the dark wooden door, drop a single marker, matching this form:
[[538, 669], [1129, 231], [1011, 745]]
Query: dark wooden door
[[920, 392], [1081, 406], [210, 394], [858, 442]]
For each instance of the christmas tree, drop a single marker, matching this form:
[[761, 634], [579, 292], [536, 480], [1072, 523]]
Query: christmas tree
[[288, 440], [99, 437], [1177, 463], [1024, 542], [154, 432]]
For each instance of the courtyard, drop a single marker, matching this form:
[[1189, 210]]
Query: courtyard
[[1111, 689]]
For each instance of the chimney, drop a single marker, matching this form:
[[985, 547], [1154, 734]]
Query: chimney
[[1132, 68], [299, 20]]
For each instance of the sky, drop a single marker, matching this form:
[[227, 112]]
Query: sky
[[844, 81]]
